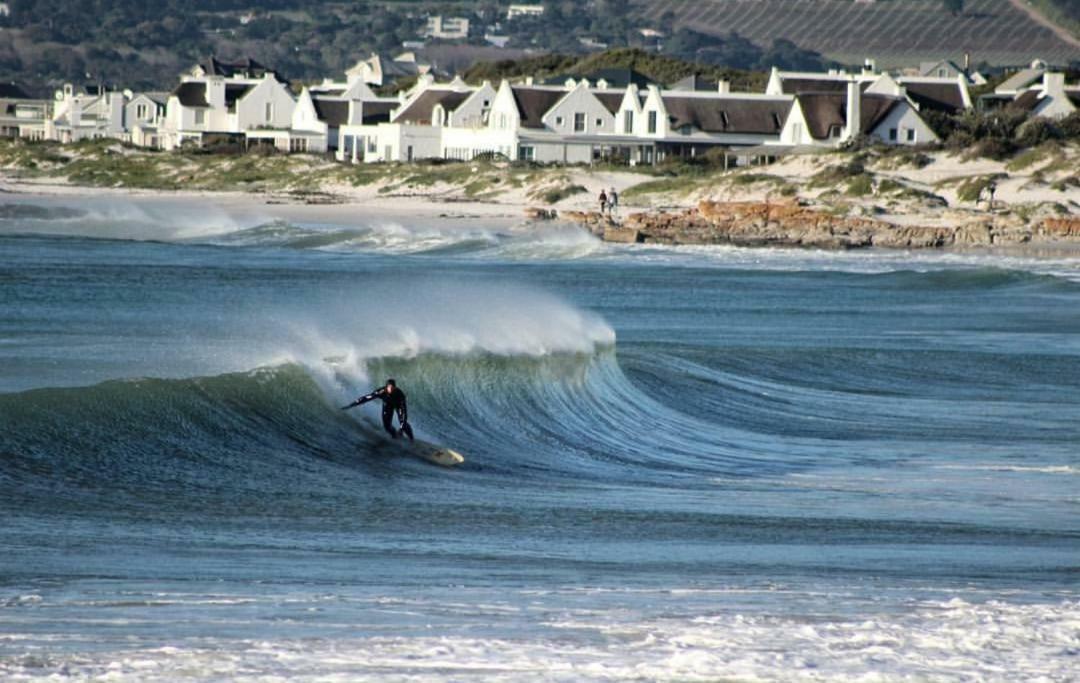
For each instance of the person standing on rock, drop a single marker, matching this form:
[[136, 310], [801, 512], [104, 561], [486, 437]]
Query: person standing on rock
[[612, 201], [603, 201]]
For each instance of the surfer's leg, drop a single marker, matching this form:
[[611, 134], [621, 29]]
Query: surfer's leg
[[388, 423], [406, 429]]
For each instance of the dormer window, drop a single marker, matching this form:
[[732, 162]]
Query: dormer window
[[724, 119], [686, 129], [835, 130], [776, 121]]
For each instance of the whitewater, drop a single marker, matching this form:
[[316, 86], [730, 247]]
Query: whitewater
[[683, 463]]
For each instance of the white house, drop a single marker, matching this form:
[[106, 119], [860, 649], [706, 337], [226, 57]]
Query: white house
[[1050, 98], [219, 98], [144, 113], [829, 119], [86, 114], [22, 116]]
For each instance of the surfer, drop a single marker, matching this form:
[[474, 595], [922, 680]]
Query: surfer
[[393, 400]]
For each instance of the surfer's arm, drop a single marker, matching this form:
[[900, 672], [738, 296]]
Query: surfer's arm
[[364, 399]]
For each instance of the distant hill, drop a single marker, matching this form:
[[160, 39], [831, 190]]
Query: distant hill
[[894, 32]]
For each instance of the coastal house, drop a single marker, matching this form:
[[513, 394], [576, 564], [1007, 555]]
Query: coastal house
[[86, 113], [379, 70], [224, 100], [1049, 98], [144, 114], [21, 115], [829, 119]]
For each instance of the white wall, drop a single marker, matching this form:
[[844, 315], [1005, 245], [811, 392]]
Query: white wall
[[903, 118], [251, 108], [580, 102]]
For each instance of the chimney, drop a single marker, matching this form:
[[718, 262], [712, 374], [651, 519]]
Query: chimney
[[967, 62], [215, 92], [723, 86], [854, 110], [529, 80], [869, 66], [1054, 84]]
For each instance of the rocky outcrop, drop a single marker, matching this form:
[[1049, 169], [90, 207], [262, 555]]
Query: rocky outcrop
[[793, 224], [539, 214]]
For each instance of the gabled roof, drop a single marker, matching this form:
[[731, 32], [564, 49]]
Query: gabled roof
[[738, 115], [192, 94], [159, 97], [825, 111], [420, 110], [874, 108], [334, 113], [940, 96], [1021, 79], [244, 68], [533, 103], [928, 68]]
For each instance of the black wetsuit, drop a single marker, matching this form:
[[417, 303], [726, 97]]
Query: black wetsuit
[[392, 402]]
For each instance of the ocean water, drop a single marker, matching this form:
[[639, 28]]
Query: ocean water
[[683, 464]]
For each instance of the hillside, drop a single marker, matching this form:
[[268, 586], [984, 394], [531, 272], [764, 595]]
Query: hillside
[[895, 32]]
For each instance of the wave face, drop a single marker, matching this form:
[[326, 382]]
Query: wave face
[[682, 464]]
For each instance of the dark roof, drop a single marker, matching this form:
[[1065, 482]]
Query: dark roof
[[946, 97], [1073, 95], [616, 78], [1027, 101], [695, 83], [420, 110], [824, 111], [333, 112], [727, 114], [192, 94], [798, 86], [611, 100], [11, 91], [234, 92], [873, 109], [246, 67], [376, 112], [533, 103]]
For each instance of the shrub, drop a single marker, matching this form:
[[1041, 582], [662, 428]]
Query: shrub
[[1036, 131]]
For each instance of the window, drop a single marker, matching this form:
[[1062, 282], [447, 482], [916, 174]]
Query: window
[[371, 146], [911, 135], [559, 121], [628, 122], [502, 120], [140, 111], [652, 122], [892, 135], [200, 117], [579, 122], [599, 123], [269, 112], [526, 153], [298, 144]]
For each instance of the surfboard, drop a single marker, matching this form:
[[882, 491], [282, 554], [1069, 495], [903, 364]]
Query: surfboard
[[440, 455]]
